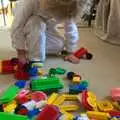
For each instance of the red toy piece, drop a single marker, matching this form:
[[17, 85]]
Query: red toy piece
[[88, 100], [50, 112], [114, 113], [21, 74], [84, 101], [38, 96], [6, 67], [115, 93], [83, 53], [22, 96]]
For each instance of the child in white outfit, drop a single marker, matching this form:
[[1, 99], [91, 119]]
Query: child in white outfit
[[34, 33]]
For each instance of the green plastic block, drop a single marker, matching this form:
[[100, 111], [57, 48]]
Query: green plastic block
[[58, 71], [7, 116], [46, 84], [9, 94]]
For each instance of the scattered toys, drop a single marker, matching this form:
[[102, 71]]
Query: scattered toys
[[34, 104]]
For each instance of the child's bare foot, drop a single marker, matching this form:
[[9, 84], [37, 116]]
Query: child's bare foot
[[21, 54], [71, 58]]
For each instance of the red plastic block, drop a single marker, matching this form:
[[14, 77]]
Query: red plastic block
[[21, 75], [50, 112], [114, 113], [84, 101], [79, 53], [7, 67]]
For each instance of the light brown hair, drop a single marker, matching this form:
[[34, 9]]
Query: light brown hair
[[64, 9]]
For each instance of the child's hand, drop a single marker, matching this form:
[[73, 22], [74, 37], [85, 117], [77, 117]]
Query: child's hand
[[71, 58]]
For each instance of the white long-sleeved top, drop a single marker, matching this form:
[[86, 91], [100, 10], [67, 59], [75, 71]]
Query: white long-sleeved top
[[27, 8]]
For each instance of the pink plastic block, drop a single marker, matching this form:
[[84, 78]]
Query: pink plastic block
[[115, 93], [50, 112]]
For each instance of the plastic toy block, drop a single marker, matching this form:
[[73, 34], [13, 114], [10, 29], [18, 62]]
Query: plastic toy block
[[40, 104], [80, 52], [22, 96], [33, 71], [115, 93], [7, 116], [70, 75], [104, 106], [76, 79], [98, 115], [82, 117], [25, 108], [52, 98], [9, 94], [58, 71], [114, 113], [69, 107], [38, 96], [20, 83], [21, 75], [59, 100], [37, 64], [67, 115], [40, 72], [88, 100], [21, 110], [46, 84], [6, 67], [49, 112], [77, 88], [116, 105], [70, 97], [33, 113], [10, 107], [83, 53], [30, 105], [22, 93]]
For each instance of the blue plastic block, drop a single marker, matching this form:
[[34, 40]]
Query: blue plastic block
[[20, 83], [33, 113], [77, 88], [33, 72]]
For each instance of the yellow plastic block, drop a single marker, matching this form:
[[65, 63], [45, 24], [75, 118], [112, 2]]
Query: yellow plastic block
[[116, 105], [52, 98], [59, 100], [98, 115], [10, 107], [0, 66], [76, 80], [40, 72], [105, 106], [69, 107], [69, 97], [68, 115], [92, 100]]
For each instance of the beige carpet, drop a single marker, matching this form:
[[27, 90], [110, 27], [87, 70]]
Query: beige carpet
[[103, 72]]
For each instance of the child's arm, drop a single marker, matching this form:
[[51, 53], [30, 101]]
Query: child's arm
[[22, 12]]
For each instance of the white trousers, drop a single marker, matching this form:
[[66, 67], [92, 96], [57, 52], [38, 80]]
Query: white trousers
[[37, 33]]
